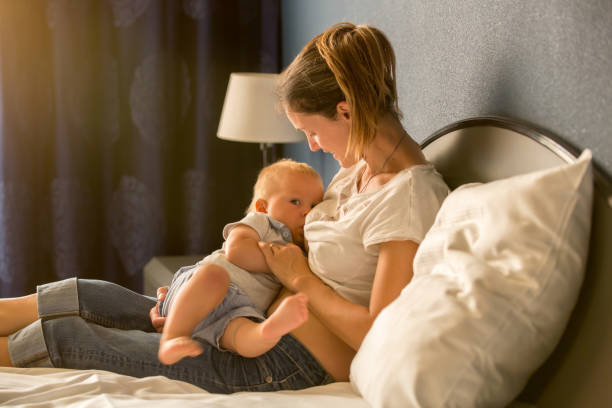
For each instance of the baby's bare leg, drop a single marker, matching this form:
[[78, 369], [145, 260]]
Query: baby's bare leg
[[250, 339], [17, 313], [196, 299]]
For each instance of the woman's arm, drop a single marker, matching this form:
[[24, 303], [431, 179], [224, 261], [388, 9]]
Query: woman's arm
[[242, 249], [347, 320]]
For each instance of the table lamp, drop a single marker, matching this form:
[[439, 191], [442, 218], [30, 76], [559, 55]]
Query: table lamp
[[251, 113]]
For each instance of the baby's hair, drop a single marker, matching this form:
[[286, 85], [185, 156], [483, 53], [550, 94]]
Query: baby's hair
[[268, 177], [348, 63]]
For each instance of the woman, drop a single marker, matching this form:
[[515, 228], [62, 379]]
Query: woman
[[341, 91]]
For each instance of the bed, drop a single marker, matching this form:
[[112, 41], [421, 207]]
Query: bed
[[571, 368]]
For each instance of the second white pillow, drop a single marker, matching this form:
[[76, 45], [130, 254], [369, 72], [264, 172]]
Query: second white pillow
[[495, 281]]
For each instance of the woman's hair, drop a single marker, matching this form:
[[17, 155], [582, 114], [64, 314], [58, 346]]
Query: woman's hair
[[269, 178], [348, 63]]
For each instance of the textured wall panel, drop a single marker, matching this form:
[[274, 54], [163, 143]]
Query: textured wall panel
[[547, 62]]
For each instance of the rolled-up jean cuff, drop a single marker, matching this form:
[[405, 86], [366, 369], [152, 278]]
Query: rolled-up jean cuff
[[27, 347], [58, 299]]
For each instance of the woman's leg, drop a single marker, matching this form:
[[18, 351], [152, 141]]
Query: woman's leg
[[72, 342], [17, 313], [204, 291], [101, 302], [68, 340]]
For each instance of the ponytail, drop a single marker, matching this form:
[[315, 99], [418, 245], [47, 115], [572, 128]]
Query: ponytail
[[348, 63]]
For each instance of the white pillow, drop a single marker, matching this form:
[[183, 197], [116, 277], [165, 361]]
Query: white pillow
[[495, 281]]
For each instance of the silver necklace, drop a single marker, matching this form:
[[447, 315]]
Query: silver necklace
[[383, 165]]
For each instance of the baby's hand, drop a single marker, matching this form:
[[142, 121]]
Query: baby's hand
[[156, 320]]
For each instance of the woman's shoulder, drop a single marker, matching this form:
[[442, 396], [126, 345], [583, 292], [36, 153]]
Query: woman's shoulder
[[422, 175], [427, 188], [418, 189]]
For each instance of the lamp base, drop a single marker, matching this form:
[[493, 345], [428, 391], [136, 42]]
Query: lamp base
[[268, 151]]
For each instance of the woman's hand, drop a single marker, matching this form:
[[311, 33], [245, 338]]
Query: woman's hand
[[287, 263], [156, 320]]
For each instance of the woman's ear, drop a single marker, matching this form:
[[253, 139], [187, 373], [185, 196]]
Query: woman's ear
[[261, 205], [343, 110]]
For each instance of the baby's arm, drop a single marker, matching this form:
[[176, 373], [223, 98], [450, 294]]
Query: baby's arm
[[242, 249]]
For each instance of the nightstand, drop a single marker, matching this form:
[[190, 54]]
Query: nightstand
[[160, 269]]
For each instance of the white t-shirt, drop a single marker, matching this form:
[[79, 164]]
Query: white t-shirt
[[343, 231]]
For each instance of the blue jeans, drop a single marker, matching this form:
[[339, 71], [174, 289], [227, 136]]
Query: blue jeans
[[90, 324]]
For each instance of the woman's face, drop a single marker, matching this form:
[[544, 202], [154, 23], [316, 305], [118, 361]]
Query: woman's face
[[329, 135]]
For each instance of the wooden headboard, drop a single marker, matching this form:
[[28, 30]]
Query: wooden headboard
[[482, 149]]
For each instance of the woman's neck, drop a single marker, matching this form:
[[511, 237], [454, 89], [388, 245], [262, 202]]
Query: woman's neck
[[392, 150]]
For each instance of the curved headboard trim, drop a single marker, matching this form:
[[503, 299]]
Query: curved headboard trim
[[554, 143], [545, 138]]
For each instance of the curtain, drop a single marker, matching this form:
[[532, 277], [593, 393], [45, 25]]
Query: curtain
[[108, 119]]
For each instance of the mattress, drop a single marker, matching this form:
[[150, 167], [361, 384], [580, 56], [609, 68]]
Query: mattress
[[54, 387]]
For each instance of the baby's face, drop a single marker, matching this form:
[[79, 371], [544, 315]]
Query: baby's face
[[296, 194]]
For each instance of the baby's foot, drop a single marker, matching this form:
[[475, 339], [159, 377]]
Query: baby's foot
[[291, 313], [172, 350]]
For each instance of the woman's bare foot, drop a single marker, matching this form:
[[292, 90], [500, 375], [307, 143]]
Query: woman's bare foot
[[172, 350], [291, 313]]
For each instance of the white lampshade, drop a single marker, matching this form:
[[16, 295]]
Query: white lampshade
[[250, 112]]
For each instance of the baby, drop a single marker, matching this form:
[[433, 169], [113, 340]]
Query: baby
[[222, 299]]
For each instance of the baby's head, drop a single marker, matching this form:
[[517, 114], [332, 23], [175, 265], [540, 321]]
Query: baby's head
[[287, 190]]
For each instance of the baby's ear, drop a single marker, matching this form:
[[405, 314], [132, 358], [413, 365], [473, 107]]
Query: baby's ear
[[261, 205]]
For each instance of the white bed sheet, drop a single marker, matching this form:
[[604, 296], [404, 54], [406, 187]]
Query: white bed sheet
[[53, 387]]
